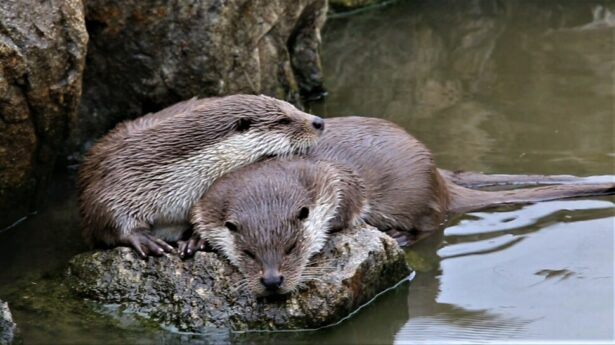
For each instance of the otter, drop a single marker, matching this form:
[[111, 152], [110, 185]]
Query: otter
[[270, 218], [137, 184]]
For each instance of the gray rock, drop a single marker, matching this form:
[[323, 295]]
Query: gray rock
[[7, 326], [145, 55], [42, 55], [200, 294]]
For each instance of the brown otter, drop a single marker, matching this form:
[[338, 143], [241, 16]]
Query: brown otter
[[269, 218], [138, 183]]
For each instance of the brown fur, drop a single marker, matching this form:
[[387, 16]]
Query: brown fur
[[406, 191], [389, 181], [148, 172], [253, 216]]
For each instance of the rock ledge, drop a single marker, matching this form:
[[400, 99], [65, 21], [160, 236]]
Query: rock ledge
[[198, 294]]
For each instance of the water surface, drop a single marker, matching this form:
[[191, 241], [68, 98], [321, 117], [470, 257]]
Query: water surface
[[499, 87]]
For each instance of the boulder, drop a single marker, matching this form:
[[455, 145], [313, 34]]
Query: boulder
[[201, 293], [146, 55], [42, 55], [7, 326]]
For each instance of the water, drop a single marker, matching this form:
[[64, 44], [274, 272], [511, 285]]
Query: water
[[495, 86]]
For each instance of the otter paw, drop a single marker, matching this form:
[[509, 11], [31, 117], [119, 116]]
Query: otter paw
[[187, 249], [403, 238], [146, 244]]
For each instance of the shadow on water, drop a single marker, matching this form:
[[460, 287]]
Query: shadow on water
[[497, 86]]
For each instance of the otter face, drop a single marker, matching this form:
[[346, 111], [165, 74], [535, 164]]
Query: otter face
[[268, 220], [273, 127], [272, 253], [303, 129]]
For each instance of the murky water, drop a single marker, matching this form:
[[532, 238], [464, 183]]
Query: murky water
[[496, 86]]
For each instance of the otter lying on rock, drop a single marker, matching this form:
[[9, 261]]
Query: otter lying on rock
[[138, 183], [271, 217]]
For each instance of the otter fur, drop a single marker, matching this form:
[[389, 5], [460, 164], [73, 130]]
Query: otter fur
[[270, 218], [139, 182]]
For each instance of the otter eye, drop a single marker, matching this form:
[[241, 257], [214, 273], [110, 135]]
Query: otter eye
[[243, 125], [250, 254], [291, 248], [304, 213], [284, 121], [230, 226]]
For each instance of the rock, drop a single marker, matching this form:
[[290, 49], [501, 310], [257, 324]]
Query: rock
[[200, 293], [42, 55], [146, 55], [7, 326]]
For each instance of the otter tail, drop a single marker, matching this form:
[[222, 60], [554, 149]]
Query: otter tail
[[465, 200], [471, 179]]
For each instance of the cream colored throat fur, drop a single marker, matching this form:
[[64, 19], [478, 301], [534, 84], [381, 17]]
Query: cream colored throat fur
[[180, 183], [317, 225]]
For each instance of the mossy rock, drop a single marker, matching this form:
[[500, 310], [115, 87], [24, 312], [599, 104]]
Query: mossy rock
[[199, 294]]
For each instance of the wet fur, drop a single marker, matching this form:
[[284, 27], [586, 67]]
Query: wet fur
[[146, 174], [405, 190], [264, 200], [362, 169]]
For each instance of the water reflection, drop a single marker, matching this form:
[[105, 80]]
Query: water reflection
[[484, 83], [488, 278], [496, 86]]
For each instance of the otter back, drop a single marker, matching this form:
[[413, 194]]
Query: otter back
[[147, 173], [269, 218]]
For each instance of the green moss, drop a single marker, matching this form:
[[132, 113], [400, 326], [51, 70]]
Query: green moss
[[417, 262], [45, 306]]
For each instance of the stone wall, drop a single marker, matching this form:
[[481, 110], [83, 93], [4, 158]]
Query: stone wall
[[141, 57], [42, 54]]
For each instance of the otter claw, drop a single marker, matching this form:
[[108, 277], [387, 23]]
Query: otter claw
[[188, 248], [146, 244], [402, 238]]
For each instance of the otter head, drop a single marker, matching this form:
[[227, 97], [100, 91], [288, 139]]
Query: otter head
[[268, 220], [265, 126]]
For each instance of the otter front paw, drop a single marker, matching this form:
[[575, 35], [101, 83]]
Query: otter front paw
[[146, 244], [403, 238], [187, 248]]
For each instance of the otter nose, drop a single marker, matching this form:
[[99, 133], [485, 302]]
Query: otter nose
[[272, 282], [318, 124]]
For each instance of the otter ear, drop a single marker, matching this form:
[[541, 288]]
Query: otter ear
[[304, 212], [243, 124], [231, 226]]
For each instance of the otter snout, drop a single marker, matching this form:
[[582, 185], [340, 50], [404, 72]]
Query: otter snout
[[318, 124], [272, 280]]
